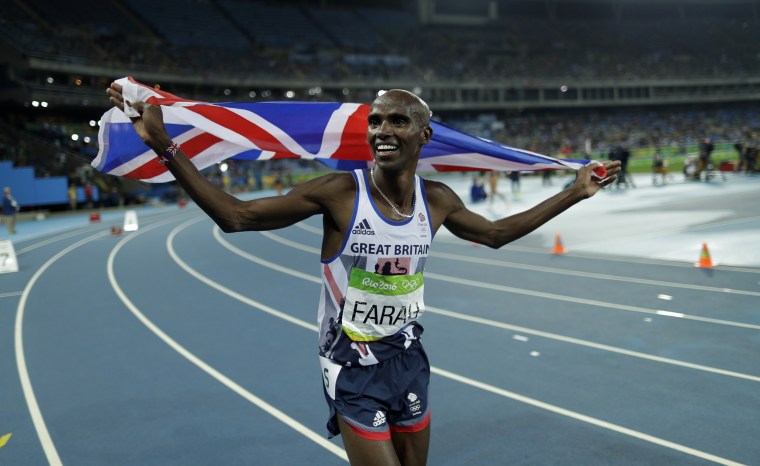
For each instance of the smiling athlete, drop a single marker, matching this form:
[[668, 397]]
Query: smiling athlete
[[378, 225]]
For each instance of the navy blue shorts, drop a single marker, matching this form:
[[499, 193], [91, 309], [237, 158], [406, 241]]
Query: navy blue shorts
[[391, 396]]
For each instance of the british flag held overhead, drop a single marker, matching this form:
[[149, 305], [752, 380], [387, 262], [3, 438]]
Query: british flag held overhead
[[332, 133]]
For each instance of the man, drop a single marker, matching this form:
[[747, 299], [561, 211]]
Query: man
[[378, 225], [10, 207], [704, 163]]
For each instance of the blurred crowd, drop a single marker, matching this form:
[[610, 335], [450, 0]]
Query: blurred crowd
[[294, 40]]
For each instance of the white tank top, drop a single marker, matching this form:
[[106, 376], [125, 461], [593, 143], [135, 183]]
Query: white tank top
[[372, 293]]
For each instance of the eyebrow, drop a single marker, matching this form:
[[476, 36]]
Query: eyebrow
[[376, 114]]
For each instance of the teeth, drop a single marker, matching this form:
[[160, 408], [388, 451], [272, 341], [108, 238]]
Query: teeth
[[386, 147]]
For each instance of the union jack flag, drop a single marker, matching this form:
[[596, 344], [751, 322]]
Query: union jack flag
[[332, 133]]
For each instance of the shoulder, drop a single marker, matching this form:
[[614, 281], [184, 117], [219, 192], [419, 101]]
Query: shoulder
[[329, 184], [438, 192], [441, 198]]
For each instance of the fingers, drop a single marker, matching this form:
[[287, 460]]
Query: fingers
[[138, 106], [115, 96]]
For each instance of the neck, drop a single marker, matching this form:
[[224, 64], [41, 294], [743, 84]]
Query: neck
[[396, 189]]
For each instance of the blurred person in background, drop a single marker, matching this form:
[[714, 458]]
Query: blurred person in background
[[659, 167], [704, 162], [493, 188], [10, 208]]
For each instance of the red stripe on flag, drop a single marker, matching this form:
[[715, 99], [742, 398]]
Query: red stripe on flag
[[191, 148], [244, 127], [353, 141], [457, 168]]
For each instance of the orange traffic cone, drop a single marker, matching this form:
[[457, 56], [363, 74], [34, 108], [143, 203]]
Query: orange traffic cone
[[704, 258], [558, 247]]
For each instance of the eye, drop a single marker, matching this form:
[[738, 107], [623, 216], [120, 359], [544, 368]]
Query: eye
[[399, 121], [372, 121]]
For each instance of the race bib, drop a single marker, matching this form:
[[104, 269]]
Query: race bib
[[378, 306]]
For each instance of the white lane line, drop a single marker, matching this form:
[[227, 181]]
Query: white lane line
[[589, 344], [595, 276], [599, 257], [10, 294], [26, 384], [537, 294], [589, 302], [79, 231], [184, 352], [51, 240], [493, 323], [582, 417], [525, 399]]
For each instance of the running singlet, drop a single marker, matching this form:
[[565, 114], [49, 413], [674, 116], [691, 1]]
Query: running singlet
[[372, 289]]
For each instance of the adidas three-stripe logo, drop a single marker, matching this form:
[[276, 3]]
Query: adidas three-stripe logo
[[379, 419], [363, 228]]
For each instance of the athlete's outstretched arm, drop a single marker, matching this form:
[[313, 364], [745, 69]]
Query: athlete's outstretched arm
[[229, 212], [468, 225]]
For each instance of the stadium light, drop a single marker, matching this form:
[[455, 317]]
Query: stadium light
[[563, 88], [93, 123], [35, 103], [87, 139], [44, 104], [223, 167], [227, 92], [50, 80], [74, 137], [252, 94], [290, 94]]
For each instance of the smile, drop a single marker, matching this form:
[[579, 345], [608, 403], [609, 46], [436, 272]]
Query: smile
[[383, 149]]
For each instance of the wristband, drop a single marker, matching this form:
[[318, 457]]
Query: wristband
[[168, 153]]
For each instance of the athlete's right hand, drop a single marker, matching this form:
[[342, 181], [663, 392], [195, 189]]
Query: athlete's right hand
[[149, 125]]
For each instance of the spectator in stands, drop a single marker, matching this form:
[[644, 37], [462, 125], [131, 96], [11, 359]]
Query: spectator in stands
[[10, 207]]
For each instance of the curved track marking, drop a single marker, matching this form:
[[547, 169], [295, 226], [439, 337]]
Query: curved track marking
[[26, 384], [596, 276], [598, 257], [489, 322], [538, 294], [524, 399], [538, 268], [224, 380]]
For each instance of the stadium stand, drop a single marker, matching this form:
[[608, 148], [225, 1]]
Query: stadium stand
[[562, 77]]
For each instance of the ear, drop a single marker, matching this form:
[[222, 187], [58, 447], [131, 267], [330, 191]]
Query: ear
[[427, 134]]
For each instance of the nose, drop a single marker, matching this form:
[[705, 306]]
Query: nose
[[385, 127]]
